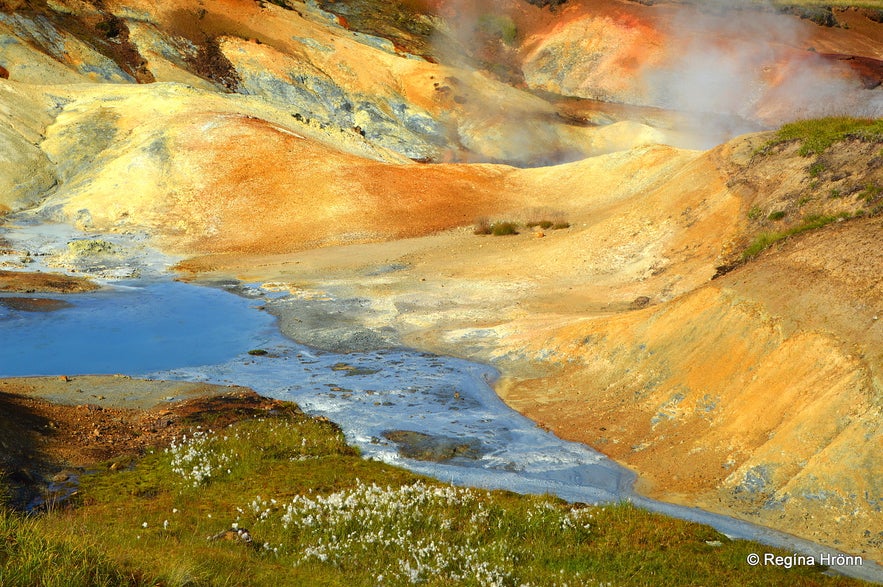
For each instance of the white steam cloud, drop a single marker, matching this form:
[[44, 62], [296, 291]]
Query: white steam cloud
[[730, 64]]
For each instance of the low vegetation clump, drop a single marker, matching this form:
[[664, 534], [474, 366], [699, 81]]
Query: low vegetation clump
[[541, 223], [284, 500], [546, 218], [765, 239], [547, 224], [504, 228], [542, 218], [482, 226], [816, 135]]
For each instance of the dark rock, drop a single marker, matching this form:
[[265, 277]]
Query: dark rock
[[639, 302], [426, 447]]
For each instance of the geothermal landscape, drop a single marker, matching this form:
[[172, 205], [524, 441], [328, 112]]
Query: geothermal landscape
[[652, 229]]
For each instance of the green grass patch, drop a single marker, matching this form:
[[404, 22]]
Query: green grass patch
[[777, 215], [286, 501], [760, 243], [30, 555], [871, 192], [816, 135], [811, 222]]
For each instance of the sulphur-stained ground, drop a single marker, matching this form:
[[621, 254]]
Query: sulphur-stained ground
[[756, 393], [707, 315]]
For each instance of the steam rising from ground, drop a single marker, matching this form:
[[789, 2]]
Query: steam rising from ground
[[479, 36], [482, 39], [726, 67], [752, 64]]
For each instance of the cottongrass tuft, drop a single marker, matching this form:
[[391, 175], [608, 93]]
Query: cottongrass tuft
[[424, 532], [197, 458]]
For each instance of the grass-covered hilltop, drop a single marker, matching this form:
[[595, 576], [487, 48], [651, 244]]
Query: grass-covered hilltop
[[254, 492], [653, 227]]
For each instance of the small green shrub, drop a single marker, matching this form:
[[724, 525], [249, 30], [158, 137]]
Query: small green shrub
[[816, 169], [835, 193], [560, 225], [755, 213], [777, 215], [504, 228]]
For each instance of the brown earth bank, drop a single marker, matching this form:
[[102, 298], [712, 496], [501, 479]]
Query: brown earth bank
[[30, 282], [52, 430]]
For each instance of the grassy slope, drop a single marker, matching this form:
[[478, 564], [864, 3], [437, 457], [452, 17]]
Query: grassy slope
[[316, 518], [816, 136]]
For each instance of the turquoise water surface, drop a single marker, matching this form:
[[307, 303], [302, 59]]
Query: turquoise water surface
[[130, 328]]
